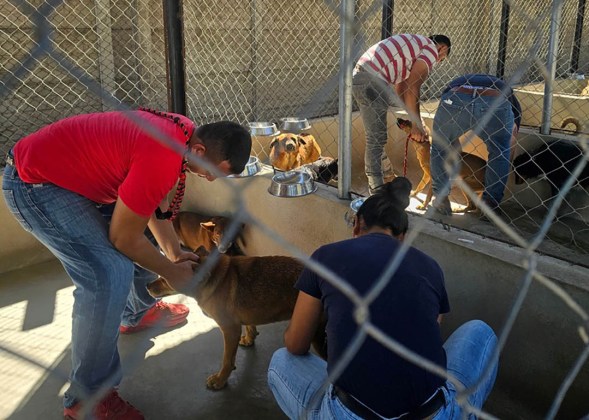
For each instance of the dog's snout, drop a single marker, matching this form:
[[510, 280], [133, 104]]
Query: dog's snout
[[290, 147]]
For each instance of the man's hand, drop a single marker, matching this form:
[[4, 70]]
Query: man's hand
[[180, 277], [185, 256], [417, 134]]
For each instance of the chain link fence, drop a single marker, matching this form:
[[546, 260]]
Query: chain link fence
[[263, 60]]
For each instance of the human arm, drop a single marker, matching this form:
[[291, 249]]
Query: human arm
[[303, 324], [126, 233], [409, 91], [166, 237]]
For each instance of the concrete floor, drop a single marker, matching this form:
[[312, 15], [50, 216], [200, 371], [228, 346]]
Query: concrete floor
[[165, 370]]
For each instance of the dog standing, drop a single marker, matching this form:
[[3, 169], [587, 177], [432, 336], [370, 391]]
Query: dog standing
[[195, 230], [242, 290], [289, 151], [555, 161], [472, 169]]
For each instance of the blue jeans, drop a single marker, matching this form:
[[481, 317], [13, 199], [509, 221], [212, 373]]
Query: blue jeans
[[459, 113], [294, 379], [110, 289], [374, 97]]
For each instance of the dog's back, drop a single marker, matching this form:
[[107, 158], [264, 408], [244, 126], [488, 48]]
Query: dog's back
[[260, 288], [556, 161]]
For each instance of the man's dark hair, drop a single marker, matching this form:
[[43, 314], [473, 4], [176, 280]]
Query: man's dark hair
[[226, 140], [386, 207], [442, 39]]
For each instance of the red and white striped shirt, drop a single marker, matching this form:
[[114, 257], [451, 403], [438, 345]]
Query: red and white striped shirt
[[392, 58]]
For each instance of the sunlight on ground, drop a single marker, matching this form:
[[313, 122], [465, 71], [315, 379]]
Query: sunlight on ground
[[197, 324], [35, 337], [31, 353]]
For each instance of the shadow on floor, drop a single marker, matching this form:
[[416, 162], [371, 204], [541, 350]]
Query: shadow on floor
[[171, 384]]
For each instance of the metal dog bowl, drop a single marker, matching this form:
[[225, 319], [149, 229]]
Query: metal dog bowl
[[357, 203], [263, 129], [295, 124], [252, 167], [292, 184], [354, 207]]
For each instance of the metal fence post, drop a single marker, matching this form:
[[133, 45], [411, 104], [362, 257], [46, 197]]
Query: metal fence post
[[345, 99], [173, 29], [551, 65]]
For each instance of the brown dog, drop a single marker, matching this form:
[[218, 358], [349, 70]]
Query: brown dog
[[242, 290], [472, 170], [289, 151], [195, 230]]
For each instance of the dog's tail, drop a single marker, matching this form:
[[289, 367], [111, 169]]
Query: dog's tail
[[571, 120]]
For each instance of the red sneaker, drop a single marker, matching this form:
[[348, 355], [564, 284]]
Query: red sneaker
[[112, 407], [162, 314]]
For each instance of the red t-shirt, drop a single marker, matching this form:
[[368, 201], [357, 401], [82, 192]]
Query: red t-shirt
[[106, 155]]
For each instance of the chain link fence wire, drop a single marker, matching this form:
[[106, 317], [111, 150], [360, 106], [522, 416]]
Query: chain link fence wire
[[264, 60]]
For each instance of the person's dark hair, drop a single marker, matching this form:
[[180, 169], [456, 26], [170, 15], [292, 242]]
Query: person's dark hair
[[226, 140], [442, 39], [386, 207]]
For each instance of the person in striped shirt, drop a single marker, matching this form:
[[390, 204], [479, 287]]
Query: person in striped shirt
[[402, 62]]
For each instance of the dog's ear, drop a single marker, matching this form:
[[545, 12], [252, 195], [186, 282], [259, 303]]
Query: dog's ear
[[210, 226], [273, 142], [201, 251]]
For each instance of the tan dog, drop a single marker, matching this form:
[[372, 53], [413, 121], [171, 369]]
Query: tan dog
[[195, 230], [472, 170], [289, 151], [242, 290]]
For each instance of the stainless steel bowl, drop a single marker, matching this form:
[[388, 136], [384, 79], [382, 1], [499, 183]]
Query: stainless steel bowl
[[263, 129], [354, 207], [292, 184], [252, 167], [357, 203], [295, 124]]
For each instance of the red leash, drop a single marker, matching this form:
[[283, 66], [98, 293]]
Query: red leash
[[405, 158]]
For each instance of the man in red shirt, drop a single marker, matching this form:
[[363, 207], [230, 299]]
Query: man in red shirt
[[400, 63], [89, 187]]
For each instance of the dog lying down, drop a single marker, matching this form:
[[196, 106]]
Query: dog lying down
[[472, 169], [195, 230], [242, 290]]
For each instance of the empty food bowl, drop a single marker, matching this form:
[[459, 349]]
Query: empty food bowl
[[295, 124], [354, 207], [263, 129], [292, 184], [252, 167]]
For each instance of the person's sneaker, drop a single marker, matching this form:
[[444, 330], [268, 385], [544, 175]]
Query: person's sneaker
[[111, 407], [444, 207], [162, 314]]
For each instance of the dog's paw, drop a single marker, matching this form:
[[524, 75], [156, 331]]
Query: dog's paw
[[216, 382], [247, 341], [421, 207]]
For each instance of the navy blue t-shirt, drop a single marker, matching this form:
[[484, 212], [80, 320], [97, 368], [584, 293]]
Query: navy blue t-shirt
[[488, 81], [406, 310]]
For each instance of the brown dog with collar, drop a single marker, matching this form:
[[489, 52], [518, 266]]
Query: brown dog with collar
[[241, 290], [289, 151], [472, 169]]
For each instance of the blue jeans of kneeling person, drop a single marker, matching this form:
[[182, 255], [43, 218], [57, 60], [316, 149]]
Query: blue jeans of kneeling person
[[491, 118], [110, 289], [294, 379]]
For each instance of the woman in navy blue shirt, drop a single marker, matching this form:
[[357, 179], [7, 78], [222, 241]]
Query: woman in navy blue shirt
[[377, 382]]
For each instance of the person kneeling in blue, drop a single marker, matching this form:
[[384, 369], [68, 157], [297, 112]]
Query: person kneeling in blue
[[378, 383]]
